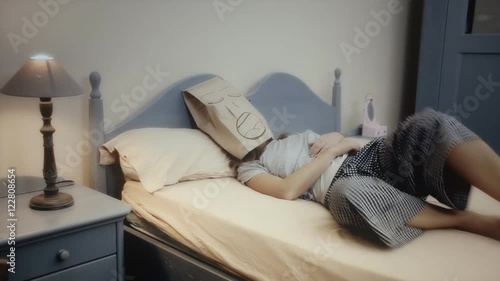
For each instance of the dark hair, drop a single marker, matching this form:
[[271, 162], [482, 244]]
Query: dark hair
[[254, 154]]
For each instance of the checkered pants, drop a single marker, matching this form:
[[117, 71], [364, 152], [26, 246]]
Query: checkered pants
[[383, 186]]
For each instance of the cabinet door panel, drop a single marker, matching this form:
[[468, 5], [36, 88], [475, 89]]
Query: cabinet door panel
[[476, 101]]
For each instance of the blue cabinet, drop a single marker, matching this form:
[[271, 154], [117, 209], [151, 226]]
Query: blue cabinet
[[459, 67]]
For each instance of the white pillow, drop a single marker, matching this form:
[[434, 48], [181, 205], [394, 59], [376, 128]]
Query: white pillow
[[128, 170], [165, 156]]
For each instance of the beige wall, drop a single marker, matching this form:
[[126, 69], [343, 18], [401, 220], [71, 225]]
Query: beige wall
[[242, 41]]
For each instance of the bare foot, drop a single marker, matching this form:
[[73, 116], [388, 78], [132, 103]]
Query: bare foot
[[484, 225]]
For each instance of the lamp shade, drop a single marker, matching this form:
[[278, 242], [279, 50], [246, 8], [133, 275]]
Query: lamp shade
[[41, 78]]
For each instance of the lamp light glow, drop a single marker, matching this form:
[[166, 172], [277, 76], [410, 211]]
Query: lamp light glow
[[41, 57]]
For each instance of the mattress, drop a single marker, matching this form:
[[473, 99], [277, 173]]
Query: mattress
[[264, 238]]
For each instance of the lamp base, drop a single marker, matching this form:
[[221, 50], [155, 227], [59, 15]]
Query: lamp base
[[48, 203]]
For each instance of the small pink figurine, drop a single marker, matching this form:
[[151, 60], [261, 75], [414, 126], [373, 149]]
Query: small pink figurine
[[371, 128]]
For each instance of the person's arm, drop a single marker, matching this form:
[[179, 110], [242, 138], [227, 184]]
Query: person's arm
[[298, 182]]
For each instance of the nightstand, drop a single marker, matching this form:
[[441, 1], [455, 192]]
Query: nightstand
[[82, 242]]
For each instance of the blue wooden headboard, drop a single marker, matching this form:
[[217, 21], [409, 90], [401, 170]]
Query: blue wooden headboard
[[284, 100], [290, 106]]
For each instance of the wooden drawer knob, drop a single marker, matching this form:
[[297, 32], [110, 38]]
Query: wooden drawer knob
[[62, 255]]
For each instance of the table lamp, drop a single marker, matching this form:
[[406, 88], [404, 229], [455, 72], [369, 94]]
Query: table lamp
[[42, 77]]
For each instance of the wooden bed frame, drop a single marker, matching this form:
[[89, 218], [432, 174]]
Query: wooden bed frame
[[285, 101]]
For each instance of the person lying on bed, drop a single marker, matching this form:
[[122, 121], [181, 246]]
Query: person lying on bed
[[380, 189]]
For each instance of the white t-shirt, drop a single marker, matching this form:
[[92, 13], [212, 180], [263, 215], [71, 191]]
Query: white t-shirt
[[283, 157]]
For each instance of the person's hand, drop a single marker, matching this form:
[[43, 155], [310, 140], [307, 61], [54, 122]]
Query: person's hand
[[324, 142], [352, 145], [343, 147]]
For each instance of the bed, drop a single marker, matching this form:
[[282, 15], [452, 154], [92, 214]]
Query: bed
[[240, 234]]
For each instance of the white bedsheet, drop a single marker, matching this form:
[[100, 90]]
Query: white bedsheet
[[264, 238]]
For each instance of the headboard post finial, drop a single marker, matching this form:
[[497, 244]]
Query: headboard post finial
[[96, 126], [338, 72], [95, 82]]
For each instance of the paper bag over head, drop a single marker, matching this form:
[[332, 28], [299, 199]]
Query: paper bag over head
[[228, 117]]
